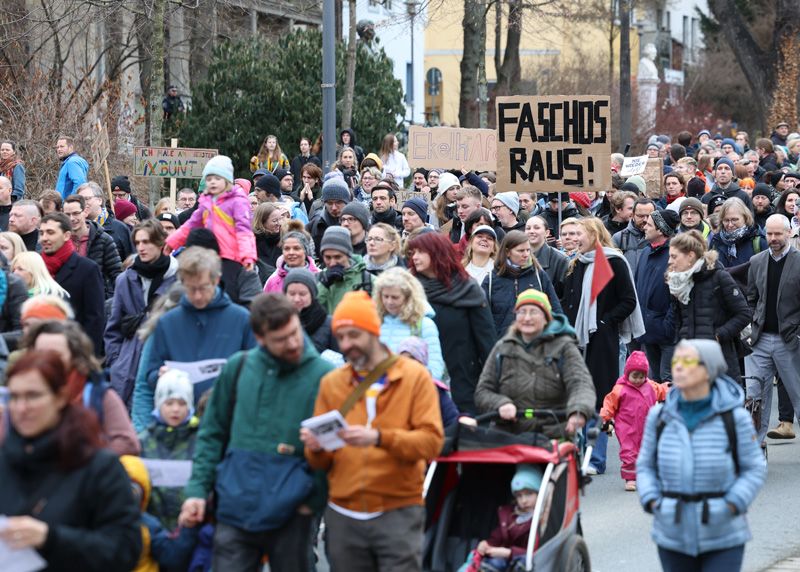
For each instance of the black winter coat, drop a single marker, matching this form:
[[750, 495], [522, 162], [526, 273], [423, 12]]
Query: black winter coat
[[102, 250], [466, 332], [614, 304], [551, 217], [16, 294], [654, 298], [717, 310], [502, 291], [92, 516], [82, 279], [390, 217], [268, 250], [121, 234]]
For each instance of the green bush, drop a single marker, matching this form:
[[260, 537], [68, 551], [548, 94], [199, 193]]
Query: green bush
[[257, 87]]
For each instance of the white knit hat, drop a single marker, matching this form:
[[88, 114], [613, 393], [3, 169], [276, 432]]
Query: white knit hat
[[221, 166]]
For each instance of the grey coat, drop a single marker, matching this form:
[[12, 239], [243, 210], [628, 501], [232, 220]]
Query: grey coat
[[788, 300], [549, 374], [555, 263]]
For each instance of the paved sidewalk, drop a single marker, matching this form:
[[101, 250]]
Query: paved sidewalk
[[788, 565]]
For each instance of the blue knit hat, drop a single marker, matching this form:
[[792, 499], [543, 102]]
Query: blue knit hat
[[335, 188], [724, 161], [419, 206], [527, 477], [220, 166]]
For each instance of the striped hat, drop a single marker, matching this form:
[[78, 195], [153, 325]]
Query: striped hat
[[537, 298]]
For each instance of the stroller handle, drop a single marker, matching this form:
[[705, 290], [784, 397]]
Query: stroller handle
[[557, 414]]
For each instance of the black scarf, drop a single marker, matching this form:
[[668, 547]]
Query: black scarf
[[153, 271], [388, 216], [312, 317], [461, 293]]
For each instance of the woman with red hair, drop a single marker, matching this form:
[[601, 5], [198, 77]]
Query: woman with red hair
[[466, 327], [65, 496]]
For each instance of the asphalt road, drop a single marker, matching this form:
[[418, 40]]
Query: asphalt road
[[617, 530]]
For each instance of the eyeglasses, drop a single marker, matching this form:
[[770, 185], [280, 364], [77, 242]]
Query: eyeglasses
[[496, 208], [200, 289], [529, 313], [686, 361], [348, 219], [375, 239]]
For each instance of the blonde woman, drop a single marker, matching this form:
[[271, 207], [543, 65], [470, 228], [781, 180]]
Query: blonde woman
[[11, 244], [404, 311], [164, 205], [383, 248], [270, 156], [30, 267]]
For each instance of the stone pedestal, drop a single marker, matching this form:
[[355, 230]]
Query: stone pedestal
[[647, 95]]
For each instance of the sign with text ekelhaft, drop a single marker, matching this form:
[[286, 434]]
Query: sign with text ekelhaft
[[177, 162], [452, 148], [554, 143]]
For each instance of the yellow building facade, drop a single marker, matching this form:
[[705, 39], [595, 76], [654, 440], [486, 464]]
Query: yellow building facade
[[558, 55]]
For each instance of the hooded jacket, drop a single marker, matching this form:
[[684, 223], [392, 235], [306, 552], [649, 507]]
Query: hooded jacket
[[73, 173], [547, 373], [700, 462], [355, 277], [353, 144], [187, 334], [90, 511], [123, 353], [272, 398], [631, 242], [275, 281], [731, 191], [394, 332], [228, 217], [502, 291]]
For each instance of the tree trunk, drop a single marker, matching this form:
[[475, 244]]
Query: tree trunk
[[761, 67], [468, 115], [784, 104], [157, 87], [339, 7], [509, 73], [350, 77], [483, 88], [625, 110]]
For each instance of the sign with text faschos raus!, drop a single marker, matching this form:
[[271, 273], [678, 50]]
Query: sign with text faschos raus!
[[554, 143]]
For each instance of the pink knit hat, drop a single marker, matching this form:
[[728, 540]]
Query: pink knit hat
[[582, 199], [636, 362]]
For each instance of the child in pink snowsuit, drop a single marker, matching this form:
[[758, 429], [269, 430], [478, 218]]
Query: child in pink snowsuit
[[627, 404]]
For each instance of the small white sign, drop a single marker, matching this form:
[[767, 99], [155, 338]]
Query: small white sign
[[168, 473], [199, 371], [326, 429], [24, 560], [633, 166]]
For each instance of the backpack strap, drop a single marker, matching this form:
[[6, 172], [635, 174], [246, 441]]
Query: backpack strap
[[93, 394], [234, 391], [733, 443], [660, 424], [756, 244], [366, 282]]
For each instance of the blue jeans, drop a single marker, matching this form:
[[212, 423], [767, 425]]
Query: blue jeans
[[660, 358], [598, 458], [727, 560]]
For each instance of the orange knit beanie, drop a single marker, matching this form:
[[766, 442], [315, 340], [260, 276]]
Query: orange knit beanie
[[357, 310]]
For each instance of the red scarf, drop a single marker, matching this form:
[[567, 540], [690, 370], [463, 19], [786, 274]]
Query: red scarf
[[55, 261], [75, 384], [7, 166]]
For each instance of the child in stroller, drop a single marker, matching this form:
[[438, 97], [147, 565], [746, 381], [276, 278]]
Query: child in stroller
[[509, 540]]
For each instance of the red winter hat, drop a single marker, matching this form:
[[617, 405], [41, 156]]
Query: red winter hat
[[582, 199], [123, 209], [636, 362]]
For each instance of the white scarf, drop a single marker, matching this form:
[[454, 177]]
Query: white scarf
[[681, 283], [586, 319]]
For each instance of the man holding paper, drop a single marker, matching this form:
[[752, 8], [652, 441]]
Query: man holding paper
[[393, 426], [248, 450]]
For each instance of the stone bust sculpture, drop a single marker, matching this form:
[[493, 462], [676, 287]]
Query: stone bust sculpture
[[647, 66]]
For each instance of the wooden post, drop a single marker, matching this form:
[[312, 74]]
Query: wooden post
[[173, 182], [108, 176]]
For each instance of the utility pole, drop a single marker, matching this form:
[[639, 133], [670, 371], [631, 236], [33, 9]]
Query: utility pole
[[328, 84], [625, 110]]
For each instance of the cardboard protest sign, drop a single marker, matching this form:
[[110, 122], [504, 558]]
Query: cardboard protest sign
[[452, 148], [555, 143], [403, 196], [633, 166], [653, 175], [180, 162]]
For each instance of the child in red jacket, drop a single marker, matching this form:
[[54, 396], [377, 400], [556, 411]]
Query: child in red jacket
[[509, 540], [627, 404]]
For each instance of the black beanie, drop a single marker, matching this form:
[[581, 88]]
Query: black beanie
[[122, 182], [763, 189], [202, 237], [696, 187], [270, 184]]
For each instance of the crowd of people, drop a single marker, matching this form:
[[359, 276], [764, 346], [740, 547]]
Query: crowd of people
[[204, 333]]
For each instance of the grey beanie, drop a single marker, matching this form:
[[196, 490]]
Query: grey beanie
[[666, 221], [301, 276], [711, 356], [358, 211], [510, 199], [335, 189], [302, 238], [336, 238]]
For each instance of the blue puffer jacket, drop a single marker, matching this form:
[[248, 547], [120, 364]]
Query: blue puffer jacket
[[394, 332], [654, 297], [502, 292], [700, 462], [745, 248], [187, 334], [73, 173], [122, 354]]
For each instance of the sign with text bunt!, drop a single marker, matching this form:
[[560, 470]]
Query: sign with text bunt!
[[177, 162], [554, 143]]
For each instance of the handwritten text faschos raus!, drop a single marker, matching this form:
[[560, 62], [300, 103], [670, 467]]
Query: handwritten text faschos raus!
[[573, 126]]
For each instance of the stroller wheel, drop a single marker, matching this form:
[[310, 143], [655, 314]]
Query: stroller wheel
[[575, 555]]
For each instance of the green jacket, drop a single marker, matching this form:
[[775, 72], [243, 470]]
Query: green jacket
[[272, 398], [355, 278], [549, 373]]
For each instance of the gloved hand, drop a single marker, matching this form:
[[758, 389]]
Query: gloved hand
[[331, 275], [608, 427]]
